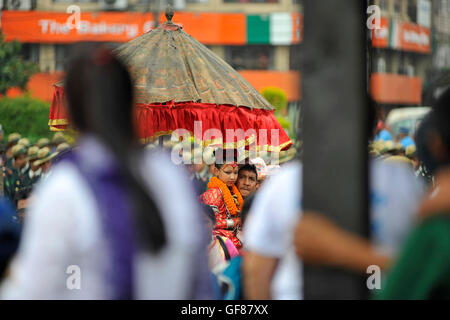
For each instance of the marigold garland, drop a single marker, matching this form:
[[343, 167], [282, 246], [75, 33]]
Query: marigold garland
[[227, 197]]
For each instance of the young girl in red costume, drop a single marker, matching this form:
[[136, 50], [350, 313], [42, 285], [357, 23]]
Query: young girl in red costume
[[224, 198]]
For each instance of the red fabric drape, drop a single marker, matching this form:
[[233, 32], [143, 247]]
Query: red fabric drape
[[230, 123]]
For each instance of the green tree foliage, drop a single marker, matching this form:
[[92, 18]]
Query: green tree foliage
[[277, 98], [27, 116], [14, 71]]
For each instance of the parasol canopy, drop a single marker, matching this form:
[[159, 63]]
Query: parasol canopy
[[181, 84]]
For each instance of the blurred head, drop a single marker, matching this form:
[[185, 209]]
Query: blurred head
[[403, 132], [98, 86], [433, 136], [19, 153], [439, 138], [247, 180], [20, 161], [99, 92]]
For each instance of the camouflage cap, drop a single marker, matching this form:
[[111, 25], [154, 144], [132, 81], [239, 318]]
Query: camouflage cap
[[41, 155], [24, 141], [62, 146], [14, 137], [18, 149], [32, 152], [58, 138], [43, 142]]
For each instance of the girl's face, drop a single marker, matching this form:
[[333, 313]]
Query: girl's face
[[228, 174]]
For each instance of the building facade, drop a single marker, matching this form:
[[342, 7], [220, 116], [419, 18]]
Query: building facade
[[256, 37], [408, 50]]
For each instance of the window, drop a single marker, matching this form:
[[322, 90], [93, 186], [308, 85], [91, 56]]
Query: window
[[398, 7], [412, 10], [251, 57], [74, 1], [30, 52], [61, 52], [410, 70], [445, 7], [295, 57], [381, 65], [383, 5]]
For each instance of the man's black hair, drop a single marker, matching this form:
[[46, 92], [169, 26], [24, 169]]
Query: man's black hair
[[441, 118], [249, 167]]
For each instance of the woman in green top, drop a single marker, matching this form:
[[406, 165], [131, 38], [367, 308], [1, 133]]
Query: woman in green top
[[422, 270]]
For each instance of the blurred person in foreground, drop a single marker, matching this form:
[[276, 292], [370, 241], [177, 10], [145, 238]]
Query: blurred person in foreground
[[9, 234], [421, 269], [272, 270], [14, 178], [107, 209]]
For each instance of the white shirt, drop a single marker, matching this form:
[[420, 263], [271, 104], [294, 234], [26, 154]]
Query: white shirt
[[63, 229], [32, 174], [269, 229]]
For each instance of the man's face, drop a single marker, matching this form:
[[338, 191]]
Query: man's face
[[46, 166], [19, 161], [33, 167], [246, 182]]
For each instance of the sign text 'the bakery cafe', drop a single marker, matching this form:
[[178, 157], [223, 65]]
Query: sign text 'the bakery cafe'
[[402, 36]]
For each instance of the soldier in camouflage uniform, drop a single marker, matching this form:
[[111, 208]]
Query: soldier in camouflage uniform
[[13, 138], [15, 175], [33, 173]]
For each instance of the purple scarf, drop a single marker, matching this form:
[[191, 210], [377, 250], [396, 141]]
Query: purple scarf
[[108, 186]]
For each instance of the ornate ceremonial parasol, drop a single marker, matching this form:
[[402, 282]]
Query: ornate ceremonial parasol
[[181, 84]]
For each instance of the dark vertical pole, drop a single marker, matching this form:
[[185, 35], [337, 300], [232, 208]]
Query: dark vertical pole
[[335, 131]]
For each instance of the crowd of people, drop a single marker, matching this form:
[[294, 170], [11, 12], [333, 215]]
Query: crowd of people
[[23, 164], [139, 227]]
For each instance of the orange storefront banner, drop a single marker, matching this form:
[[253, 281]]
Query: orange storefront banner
[[414, 37], [289, 81], [403, 36], [297, 20], [52, 27], [380, 37], [388, 88]]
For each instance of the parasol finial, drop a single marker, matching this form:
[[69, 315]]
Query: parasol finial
[[169, 13]]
